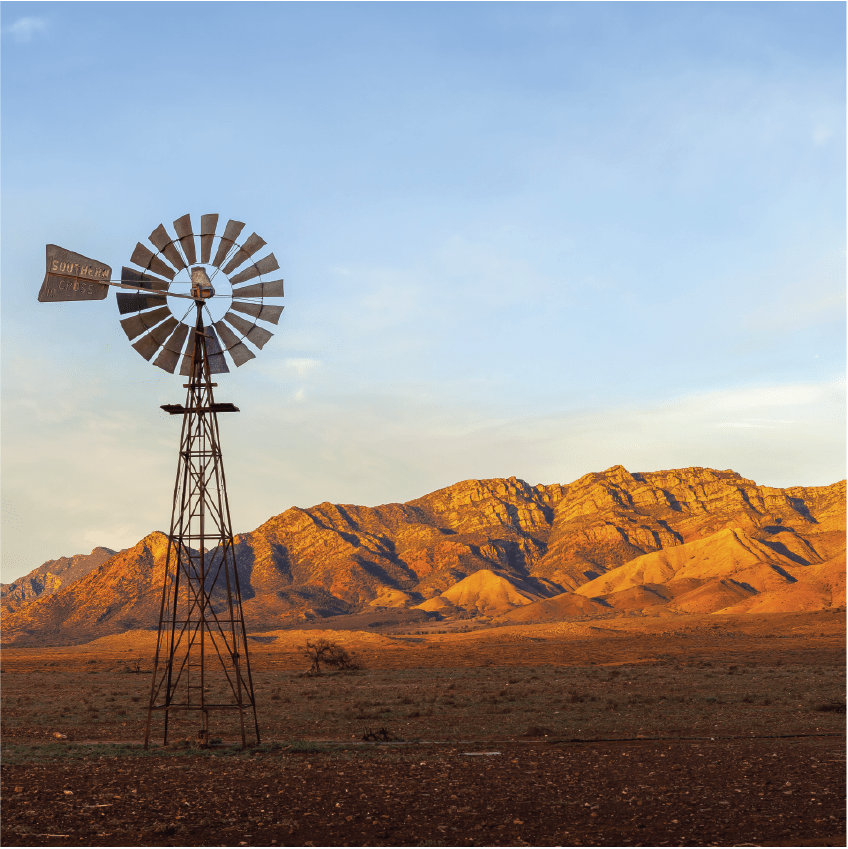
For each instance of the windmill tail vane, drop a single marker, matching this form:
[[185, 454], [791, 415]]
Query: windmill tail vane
[[202, 662]]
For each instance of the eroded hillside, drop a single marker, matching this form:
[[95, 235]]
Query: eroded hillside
[[539, 550]]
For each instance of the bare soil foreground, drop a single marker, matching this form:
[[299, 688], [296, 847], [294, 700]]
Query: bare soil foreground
[[702, 730]]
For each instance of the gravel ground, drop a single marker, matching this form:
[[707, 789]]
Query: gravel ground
[[725, 792]]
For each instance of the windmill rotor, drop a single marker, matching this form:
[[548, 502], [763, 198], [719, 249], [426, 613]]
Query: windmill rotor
[[233, 280]]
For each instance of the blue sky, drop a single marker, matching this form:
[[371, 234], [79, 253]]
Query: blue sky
[[518, 239]]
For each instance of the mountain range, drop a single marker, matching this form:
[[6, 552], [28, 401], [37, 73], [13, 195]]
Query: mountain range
[[692, 540]]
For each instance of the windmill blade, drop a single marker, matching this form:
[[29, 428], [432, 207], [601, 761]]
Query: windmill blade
[[162, 239], [146, 259], [188, 357], [264, 266], [169, 356], [208, 223], [135, 303], [271, 289], [247, 250], [231, 233], [167, 360], [183, 227], [149, 344], [137, 324], [177, 339], [217, 363], [152, 318], [133, 326], [146, 281], [264, 311], [235, 348], [257, 335]]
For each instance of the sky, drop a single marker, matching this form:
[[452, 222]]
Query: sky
[[529, 239]]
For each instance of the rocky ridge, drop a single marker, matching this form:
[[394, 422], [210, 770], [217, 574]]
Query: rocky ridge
[[51, 576], [531, 545]]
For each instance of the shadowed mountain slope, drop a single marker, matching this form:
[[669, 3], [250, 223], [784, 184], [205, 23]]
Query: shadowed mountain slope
[[534, 547]]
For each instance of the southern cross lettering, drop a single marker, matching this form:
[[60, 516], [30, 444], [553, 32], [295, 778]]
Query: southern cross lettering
[[78, 270], [71, 284], [73, 277]]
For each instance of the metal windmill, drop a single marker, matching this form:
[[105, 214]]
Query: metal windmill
[[202, 662]]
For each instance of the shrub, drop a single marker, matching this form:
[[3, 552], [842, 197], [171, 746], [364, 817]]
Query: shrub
[[322, 651]]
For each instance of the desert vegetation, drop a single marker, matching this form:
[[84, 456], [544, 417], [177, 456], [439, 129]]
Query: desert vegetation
[[329, 654]]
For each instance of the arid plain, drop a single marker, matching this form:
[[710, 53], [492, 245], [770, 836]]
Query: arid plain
[[607, 733], [630, 660]]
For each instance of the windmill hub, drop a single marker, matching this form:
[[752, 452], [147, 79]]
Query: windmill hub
[[201, 285]]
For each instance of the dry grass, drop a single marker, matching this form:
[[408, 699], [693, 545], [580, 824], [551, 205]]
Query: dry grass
[[706, 682]]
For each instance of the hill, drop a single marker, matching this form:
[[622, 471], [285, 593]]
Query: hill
[[486, 549], [46, 579]]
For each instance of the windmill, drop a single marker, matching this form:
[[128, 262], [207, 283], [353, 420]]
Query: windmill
[[190, 312]]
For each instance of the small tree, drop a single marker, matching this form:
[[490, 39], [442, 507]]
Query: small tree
[[322, 651]]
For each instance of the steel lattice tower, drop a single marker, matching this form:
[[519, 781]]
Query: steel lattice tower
[[202, 662]]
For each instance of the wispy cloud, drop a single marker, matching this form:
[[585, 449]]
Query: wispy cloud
[[26, 29], [302, 365]]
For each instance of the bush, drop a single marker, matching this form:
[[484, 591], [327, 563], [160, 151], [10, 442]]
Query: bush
[[322, 651]]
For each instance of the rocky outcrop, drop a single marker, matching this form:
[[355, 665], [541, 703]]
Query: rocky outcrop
[[541, 543], [607, 519], [46, 579]]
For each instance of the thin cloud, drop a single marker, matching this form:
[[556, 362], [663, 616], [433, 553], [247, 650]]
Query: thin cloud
[[26, 29], [302, 365]]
